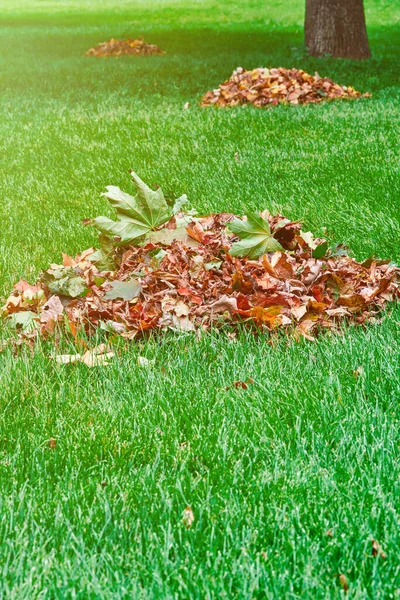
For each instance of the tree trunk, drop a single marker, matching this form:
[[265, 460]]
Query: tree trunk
[[336, 27]]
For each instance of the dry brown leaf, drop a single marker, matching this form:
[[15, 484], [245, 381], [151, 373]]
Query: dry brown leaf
[[188, 517], [343, 582], [377, 550], [52, 310], [96, 357]]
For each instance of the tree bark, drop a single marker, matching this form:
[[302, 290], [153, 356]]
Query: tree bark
[[336, 27]]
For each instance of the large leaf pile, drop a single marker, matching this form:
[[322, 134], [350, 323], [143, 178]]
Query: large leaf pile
[[124, 47], [161, 270], [269, 87]]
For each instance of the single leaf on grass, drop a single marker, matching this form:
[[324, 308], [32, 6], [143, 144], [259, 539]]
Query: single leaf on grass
[[188, 517], [126, 290], [256, 237], [343, 582], [137, 215], [377, 550], [145, 362], [97, 357]]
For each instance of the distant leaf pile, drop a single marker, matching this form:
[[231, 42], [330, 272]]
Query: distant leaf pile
[[159, 268], [124, 47], [266, 87]]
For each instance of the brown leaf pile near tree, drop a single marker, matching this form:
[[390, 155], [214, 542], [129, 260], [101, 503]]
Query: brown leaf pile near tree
[[268, 87], [124, 47], [263, 271]]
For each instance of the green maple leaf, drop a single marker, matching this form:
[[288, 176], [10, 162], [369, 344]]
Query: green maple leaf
[[103, 258], [126, 290], [137, 215], [256, 238], [65, 282]]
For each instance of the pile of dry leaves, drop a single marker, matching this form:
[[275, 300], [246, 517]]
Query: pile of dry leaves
[[159, 268], [123, 47], [262, 87]]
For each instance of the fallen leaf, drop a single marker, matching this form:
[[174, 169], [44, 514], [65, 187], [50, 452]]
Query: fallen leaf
[[377, 550], [188, 517], [126, 290], [137, 215], [52, 310], [256, 237], [358, 372], [145, 362], [23, 286], [96, 357], [225, 303], [343, 582], [240, 384], [26, 320], [64, 281]]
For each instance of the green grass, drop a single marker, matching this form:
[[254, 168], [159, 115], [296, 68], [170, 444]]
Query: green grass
[[309, 447]]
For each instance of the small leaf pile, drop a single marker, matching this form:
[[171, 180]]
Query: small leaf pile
[[159, 269], [269, 87], [124, 47]]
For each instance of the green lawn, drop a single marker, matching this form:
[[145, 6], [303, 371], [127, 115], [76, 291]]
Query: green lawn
[[312, 446]]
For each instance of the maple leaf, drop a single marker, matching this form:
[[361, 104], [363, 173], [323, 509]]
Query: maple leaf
[[126, 290], [137, 215], [52, 310], [64, 281], [256, 237], [103, 258], [25, 320]]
